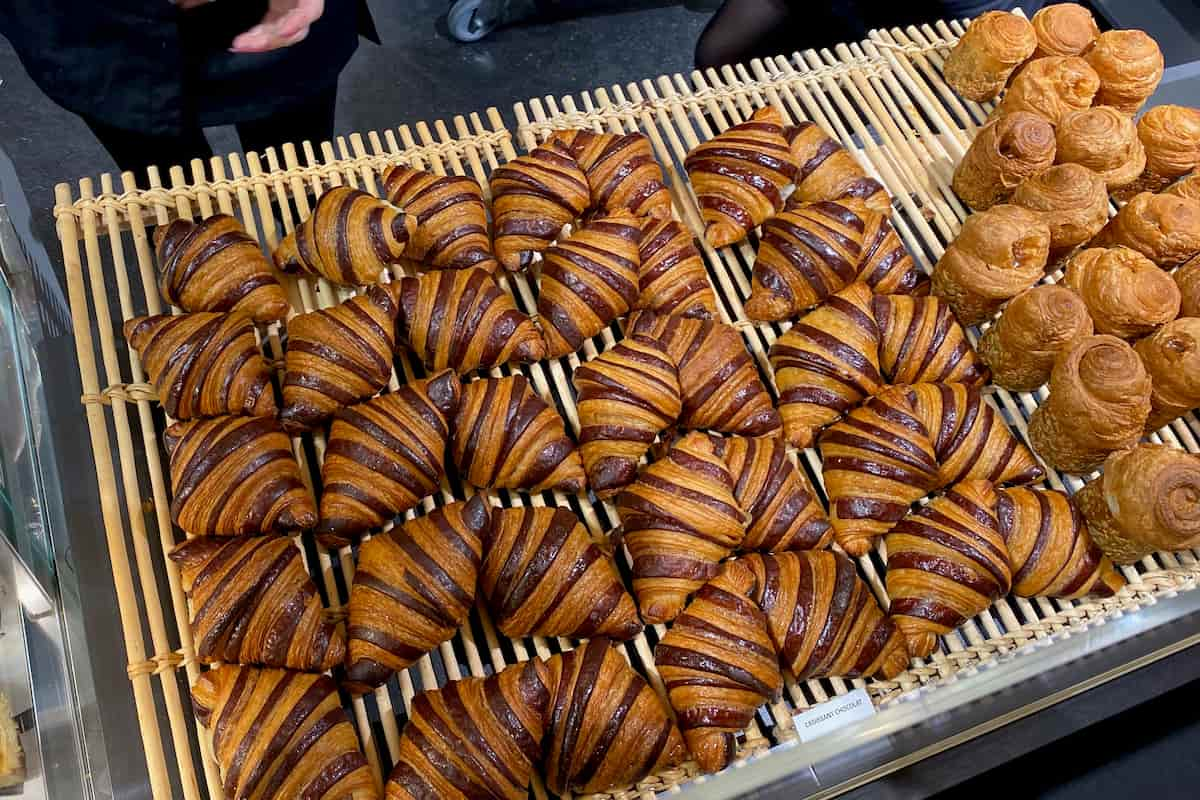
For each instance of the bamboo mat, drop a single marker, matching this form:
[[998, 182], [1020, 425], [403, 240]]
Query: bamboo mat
[[883, 98]]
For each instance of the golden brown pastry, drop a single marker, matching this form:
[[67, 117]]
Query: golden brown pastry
[[621, 171], [680, 519], [588, 280], [1125, 293], [203, 364], [1072, 200], [886, 265], [1187, 278], [998, 254], [506, 437], [1033, 329], [739, 176], [278, 735], [1050, 550], [253, 602], [1129, 64], [1165, 228], [214, 265], [544, 576], [995, 44], [825, 171], [414, 585], [719, 665], [1105, 141], [920, 340], [625, 397], [450, 214], [1172, 358], [1051, 86], [1099, 402], [1188, 186], [1146, 499], [1005, 152], [608, 728], [1170, 135], [533, 197], [236, 476], [672, 278], [1064, 29]]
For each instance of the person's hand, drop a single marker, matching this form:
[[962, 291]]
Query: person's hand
[[285, 24]]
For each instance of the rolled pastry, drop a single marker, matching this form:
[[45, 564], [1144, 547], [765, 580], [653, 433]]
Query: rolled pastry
[[1170, 135], [1005, 152], [1188, 186], [994, 45], [1034, 328], [1051, 86], [1129, 64], [1172, 357], [1064, 29], [1072, 200], [826, 171], [533, 197], [1125, 293], [1105, 141], [1165, 228], [1187, 278]]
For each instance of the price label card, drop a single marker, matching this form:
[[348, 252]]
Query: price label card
[[833, 714]]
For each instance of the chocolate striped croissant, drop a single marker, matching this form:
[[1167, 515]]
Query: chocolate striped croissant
[[413, 587], [739, 176], [719, 666], [822, 617], [462, 319], [544, 576], [278, 734], [384, 456], [625, 397], [475, 737], [214, 265], [672, 278], [920, 340], [825, 171], [826, 363], [506, 437], [621, 171], [203, 364], [588, 280], [450, 215], [608, 729], [350, 238], [886, 265], [236, 476], [533, 197], [338, 356]]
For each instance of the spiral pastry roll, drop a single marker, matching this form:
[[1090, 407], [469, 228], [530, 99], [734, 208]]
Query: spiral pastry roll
[[826, 364], [886, 265], [506, 437], [253, 602], [588, 280], [1034, 328], [825, 171], [214, 265], [1099, 402], [1072, 200], [719, 665], [680, 520], [823, 619], [203, 364], [1050, 550], [384, 456], [608, 728], [1187, 278], [625, 397], [672, 278], [1129, 64], [1188, 186], [1125, 293], [1172, 359], [995, 44], [1005, 152], [280, 734], [920, 340], [544, 576], [533, 197], [450, 215], [1064, 29], [1170, 135], [1165, 228], [621, 171], [739, 176], [1105, 141], [1051, 87]]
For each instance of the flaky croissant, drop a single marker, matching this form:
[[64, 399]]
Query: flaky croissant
[[1125, 293], [1165, 228], [1005, 152], [886, 265], [826, 171], [1064, 29], [1170, 135], [995, 44], [1172, 358], [920, 340], [621, 171], [1129, 64], [672, 278], [1187, 278], [1105, 141], [450, 214], [1051, 86], [1072, 200], [1033, 329], [533, 197]]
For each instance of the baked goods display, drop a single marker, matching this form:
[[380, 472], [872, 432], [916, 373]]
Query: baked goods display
[[1165, 228], [1171, 356], [671, 276], [450, 216], [1129, 64], [995, 44], [1006, 151], [533, 197], [825, 171], [1064, 29], [1073, 202], [1104, 140], [621, 171], [1033, 329], [1051, 86], [1126, 295]]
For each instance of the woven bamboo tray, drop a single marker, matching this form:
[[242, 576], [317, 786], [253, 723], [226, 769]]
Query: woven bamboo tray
[[883, 98]]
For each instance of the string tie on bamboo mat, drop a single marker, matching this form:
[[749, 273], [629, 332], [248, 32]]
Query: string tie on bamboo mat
[[128, 392], [159, 664]]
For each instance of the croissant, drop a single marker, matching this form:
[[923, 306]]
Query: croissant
[[1170, 135], [1165, 228], [825, 171], [533, 197], [1051, 86], [1144, 500], [1129, 64], [608, 728], [998, 253], [877, 462], [254, 602], [826, 364], [1064, 29], [1187, 278], [1171, 356], [203, 364], [350, 238], [451, 218], [236, 476], [338, 356], [1188, 186], [278, 734], [588, 280], [1005, 152], [214, 265], [475, 737], [920, 340], [886, 265], [739, 176], [1050, 550], [1125, 293], [621, 171], [946, 563], [543, 576], [413, 587], [1034, 328], [625, 398], [1071, 199], [506, 437], [672, 278], [719, 665], [1099, 402], [719, 382], [680, 519], [1105, 141], [823, 619], [384, 456], [463, 320], [994, 44]]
